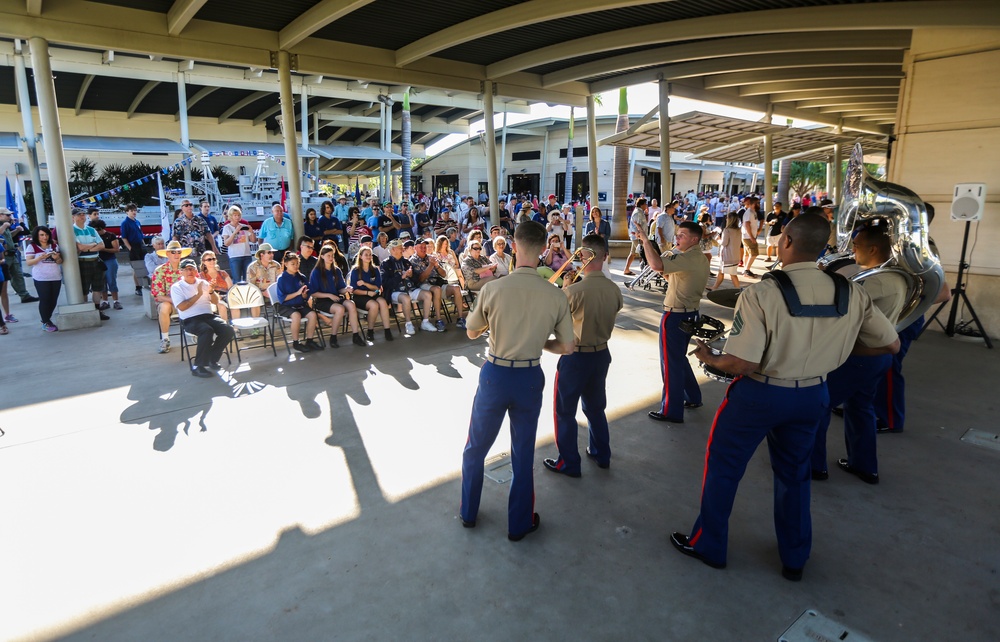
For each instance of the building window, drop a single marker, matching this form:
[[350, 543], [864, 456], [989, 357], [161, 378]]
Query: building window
[[526, 156], [578, 152], [652, 153]]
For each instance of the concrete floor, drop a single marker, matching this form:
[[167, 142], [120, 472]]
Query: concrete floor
[[316, 497]]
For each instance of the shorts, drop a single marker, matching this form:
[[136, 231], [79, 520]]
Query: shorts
[[413, 295], [288, 310], [5, 271], [772, 240], [751, 246], [361, 300], [91, 276], [325, 305], [730, 269], [636, 244]]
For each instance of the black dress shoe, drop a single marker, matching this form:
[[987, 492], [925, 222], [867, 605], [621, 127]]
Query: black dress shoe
[[29, 299], [215, 365], [882, 428], [103, 316], [691, 404], [466, 524], [868, 478], [680, 542], [839, 411], [599, 464], [659, 416], [535, 522], [791, 574], [553, 465], [820, 475], [201, 371]]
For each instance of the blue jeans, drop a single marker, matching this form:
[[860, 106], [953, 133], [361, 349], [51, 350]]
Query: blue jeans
[[238, 267], [111, 276]]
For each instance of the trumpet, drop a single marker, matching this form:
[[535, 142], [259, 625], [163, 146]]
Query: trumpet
[[584, 254]]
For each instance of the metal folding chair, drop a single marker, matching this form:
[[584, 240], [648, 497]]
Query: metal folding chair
[[246, 297]]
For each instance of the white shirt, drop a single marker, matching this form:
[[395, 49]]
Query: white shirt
[[664, 230], [182, 291], [749, 216]]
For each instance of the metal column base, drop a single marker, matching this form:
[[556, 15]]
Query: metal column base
[[75, 317]]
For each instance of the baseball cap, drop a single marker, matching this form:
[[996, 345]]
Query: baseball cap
[[366, 238], [186, 263], [407, 243]]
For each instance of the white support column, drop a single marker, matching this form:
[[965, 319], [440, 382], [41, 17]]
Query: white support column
[[291, 151], [591, 162], [829, 177], [768, 178], [838, 176], [491, 150], [305, 116], [28, 121], [182, 111], [315, 140], [381, 145], [666, 191], [389, 182], [79, 313], [503, 155], [545, 167]]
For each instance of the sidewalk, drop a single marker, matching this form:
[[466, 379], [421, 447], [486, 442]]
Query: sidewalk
[[316, 497]]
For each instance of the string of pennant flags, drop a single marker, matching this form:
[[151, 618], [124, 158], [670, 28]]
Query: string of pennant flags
[[95, 198]]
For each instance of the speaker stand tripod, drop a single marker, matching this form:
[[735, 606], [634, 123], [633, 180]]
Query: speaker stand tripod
[[958, 295]]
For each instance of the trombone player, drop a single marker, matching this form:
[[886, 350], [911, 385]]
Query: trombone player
[[594, 303]]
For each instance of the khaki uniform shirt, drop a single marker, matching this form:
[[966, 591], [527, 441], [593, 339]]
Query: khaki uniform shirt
[[888, 293], [788, 347], [687, 274], [521, 311], [594, 302]]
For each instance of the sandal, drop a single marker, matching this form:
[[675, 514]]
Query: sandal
[[4, 330]]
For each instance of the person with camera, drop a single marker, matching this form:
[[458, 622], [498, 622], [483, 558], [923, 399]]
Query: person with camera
[[429, 275], [293, 303], [45, 260], [237, 235], [193, 298], [398, 282]]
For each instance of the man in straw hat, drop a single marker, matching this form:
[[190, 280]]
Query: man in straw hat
[[163, 279]]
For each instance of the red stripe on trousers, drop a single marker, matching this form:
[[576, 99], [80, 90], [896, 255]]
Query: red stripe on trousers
[[666, 363]]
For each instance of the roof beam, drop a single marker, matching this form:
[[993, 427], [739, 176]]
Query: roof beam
[[180, 14], [194, 100], [853, 17], [838, 102], [749, 63], [336, 135], [83, 92], [738, 46], [437, 111], [879, 107], [249, 100], [139, 97], [314, 19], [842, 83], [744, 78], [836, 94], [34, 7], [326, 104], [364, 138], [267, 113], [520, 15]]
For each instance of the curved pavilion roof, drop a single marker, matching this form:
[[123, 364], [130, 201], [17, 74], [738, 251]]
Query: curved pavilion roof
[[836, 62]]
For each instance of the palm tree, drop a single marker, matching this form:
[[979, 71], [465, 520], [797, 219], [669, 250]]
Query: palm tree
[[619, 206]]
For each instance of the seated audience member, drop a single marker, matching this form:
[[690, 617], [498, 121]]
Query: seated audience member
[[263, 272], [163, 279], [429, 276], [307, 255], [193, 298], [220, 282], [476, 268], [456, 280], [381, 250], [399, 285], [356, 230], [500, 258], [293, 303], [329, 295], [366, 283]]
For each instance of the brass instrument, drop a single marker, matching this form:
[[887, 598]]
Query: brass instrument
[[577, 254], [865, 198]]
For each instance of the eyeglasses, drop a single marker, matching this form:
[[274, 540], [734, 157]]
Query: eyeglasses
[[176, 252], [476, 247], [187, 205], [208, 260]]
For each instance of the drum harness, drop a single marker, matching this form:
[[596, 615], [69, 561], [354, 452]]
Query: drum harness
[[841, 296]]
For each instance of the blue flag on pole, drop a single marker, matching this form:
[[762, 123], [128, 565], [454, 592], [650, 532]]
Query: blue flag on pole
[[357, 192], [11, 200]]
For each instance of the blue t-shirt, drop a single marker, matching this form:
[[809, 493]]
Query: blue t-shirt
[[342, 211], [132, 232], [213, 224], [313, 230], [280, 238], [373, 276], [287, 284], [334, 282]]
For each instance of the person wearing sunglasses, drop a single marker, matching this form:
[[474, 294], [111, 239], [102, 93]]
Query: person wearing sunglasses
[[163, 279], [220, 282], [476, 267]]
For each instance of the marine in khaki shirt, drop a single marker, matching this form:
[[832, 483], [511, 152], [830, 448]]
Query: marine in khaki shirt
[[594, 302], [686, 272], [514, 334], [887, 289]]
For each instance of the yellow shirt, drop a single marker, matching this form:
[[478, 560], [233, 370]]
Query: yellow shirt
[[521, 311], [687, 274], [788, 347], [594, 302]]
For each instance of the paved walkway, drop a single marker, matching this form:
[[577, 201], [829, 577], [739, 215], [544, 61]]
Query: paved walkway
[[316, 497]]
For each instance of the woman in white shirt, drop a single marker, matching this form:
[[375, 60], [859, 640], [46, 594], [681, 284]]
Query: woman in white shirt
[[237, 237]]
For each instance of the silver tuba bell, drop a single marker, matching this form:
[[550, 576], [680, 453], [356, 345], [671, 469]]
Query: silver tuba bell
[[865, 198]]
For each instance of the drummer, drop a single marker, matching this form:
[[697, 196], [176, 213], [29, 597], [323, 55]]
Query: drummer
[[781, 369], [686, 272]]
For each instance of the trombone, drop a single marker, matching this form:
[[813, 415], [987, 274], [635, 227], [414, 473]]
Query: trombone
[[584, 254]]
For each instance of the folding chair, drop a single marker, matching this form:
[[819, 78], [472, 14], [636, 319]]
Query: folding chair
[[188, 339], [247, 297], [281, 321]]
